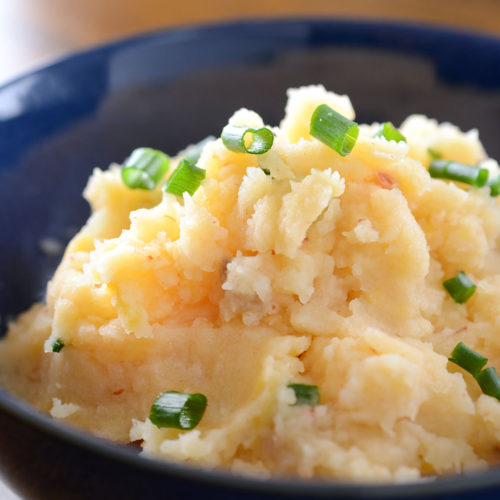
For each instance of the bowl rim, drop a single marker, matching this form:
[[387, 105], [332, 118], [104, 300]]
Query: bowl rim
[[119, 42], [16, 407], [293, 486]]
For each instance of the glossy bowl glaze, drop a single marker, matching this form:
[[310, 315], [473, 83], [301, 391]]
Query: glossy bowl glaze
[[166, 90]]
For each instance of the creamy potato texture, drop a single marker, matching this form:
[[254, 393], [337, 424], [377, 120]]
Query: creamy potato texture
[[328, 272]]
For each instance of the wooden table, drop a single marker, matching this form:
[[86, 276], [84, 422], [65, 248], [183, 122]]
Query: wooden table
[[33, 32]]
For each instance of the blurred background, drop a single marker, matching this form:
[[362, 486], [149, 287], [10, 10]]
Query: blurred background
[[34, 32], [37, 32]]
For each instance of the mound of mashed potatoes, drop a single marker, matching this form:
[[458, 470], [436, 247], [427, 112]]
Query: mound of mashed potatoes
[[294, 266]]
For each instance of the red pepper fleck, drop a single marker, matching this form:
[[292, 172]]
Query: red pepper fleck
[[118, 392], [150, 257], [385, 181]]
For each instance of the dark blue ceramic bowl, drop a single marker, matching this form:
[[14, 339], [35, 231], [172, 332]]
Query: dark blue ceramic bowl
[[166, 90]]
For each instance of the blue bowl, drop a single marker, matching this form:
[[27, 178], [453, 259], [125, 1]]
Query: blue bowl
[[166, 90]]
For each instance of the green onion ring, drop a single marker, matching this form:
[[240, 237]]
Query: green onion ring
[[389, 132], [305, 394], [236, 139], [334, 129], [454, 171], [178, 410], [144, 168], [467, 359], [186, 178], [460, 287]]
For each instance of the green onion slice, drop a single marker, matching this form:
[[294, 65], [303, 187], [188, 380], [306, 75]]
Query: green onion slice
[[178, 410], [389, 132], [334, 130], [196, 149], [134, 178], [435, 155], [185, 179], [305, 394], [489, 381], [57, 345], [247, 140], [454, 171], [460, 287], [468, 359], [144, 168], [494, 185]]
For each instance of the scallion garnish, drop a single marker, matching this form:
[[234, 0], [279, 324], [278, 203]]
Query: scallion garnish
[[489, 382], [460, 287], [435, 155], [494, 185], [57, 345], [135, 178], [334, 130], [185, 179], [144, 168], [468, 359], [451, 170], [305, 394], [178, 410], [389, 132], [247, 140], [196, 149]]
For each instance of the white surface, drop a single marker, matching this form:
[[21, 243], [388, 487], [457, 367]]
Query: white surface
[[6, 493]]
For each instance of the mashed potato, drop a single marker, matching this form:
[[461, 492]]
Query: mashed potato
[[326, 272]]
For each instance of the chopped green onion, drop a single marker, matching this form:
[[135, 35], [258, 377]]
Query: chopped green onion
[[489, 382], [389, 132], [334, 130], [305, 394], [247, 140], [185, 179], [266, 171], [494, 185], [177, 410], [153, 162], [57, 345], [460, 287], [468, 359], [196, 149], [134, 178], [144, 168], [435, 155], [454, 171]]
